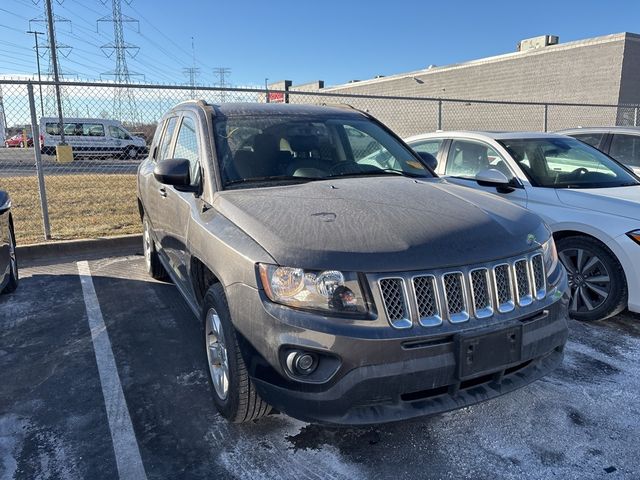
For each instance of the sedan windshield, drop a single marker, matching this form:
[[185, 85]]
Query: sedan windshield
[[261, 150], [567, 163]]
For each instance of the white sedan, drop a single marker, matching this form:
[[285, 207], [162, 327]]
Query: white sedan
[[591, 203]]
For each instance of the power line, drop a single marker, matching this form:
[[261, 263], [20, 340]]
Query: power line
[[120, 49]]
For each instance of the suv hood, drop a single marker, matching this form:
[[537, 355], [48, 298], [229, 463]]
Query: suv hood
[[380, 224], [619, 201]]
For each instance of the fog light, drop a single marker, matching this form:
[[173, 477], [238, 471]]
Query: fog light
[[301, 363]]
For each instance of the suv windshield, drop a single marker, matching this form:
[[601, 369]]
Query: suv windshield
[[267, 149], [567, 163]]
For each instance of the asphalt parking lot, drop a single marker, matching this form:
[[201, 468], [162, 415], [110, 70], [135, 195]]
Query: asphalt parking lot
[[57, 416]]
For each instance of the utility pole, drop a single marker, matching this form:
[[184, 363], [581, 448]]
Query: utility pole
[[54, 62], [35, 36], [121, 49], [60, 49], [221, 74], [192, 72]]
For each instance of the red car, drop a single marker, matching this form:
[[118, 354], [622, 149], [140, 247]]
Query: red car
[[18, 141]]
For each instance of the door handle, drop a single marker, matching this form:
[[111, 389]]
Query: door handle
[[163, 192]]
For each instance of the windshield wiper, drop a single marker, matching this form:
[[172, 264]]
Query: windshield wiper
[[380, 171], [269, 178]]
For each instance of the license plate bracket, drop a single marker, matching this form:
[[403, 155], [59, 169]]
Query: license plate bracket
[[486, 352]]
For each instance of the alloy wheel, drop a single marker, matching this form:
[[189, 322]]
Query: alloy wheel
[[589, 279], [217, 354]]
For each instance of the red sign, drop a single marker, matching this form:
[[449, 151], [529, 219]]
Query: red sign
[[276, 97]]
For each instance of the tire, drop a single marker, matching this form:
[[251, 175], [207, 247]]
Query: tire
[[130, 153], [596, 278], [239, 402], [13, 262], [151, 259], [6, 144], [21, 144]]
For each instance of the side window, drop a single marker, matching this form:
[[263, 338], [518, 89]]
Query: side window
[[93, 129], [187, 147], [428, 146], [467, 158], [163, 150], [626, 149], [592, 139]]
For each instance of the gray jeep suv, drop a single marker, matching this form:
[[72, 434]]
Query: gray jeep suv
[[337, 289]]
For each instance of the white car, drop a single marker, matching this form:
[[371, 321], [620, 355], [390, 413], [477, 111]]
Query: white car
[[91, 137], [620, 143], [590, 202]]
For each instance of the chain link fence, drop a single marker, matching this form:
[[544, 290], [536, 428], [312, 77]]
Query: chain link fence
[[93, 193]]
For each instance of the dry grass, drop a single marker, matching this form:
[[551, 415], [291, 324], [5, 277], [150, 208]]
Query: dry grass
[[80, 206]]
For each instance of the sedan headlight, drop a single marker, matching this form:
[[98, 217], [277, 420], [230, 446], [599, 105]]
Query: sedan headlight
[[550, 255], [635, 236], [327, 290]]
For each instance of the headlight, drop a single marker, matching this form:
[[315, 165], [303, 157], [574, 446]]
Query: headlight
[[635, 236], [328, 290], [550, 255]]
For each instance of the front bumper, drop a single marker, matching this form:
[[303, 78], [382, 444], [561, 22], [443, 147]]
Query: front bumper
[[386, 375]]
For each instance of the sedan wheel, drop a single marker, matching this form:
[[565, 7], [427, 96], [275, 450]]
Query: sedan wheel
[[589, 279], [217, 355], [596, 279]]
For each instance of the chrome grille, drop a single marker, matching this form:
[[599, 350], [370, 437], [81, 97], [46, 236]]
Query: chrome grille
[[480, 292], [539, 283], [455, 297], [395, 303], [504, 290], [430, 298], [523, 284], [424, 289]]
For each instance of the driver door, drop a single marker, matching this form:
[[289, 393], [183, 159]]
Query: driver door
[[466, 158]]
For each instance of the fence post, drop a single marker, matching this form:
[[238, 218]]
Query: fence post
[[635, 117], [546, 117], [440, 114], [35, 134]]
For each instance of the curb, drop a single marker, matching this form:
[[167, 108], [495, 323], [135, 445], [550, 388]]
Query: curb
[[123, 244]]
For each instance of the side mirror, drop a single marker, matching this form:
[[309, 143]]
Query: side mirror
[[175, 172], [430, 160], [494, 178]]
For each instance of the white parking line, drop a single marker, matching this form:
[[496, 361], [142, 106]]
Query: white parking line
[[125, 445]]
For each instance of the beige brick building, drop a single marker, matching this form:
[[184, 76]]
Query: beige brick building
[[601, 70]]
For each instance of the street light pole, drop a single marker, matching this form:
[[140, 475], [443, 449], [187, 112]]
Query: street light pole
[[35, 35]]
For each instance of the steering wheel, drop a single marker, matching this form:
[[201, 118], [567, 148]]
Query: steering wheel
[[579, 171]]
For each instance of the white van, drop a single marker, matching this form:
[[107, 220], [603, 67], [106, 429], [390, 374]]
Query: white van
[[91, 137]]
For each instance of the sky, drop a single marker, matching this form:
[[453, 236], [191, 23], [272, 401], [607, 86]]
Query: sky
[[303, 41]]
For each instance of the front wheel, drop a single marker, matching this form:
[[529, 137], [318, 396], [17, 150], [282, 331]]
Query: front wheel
[[13, 263], [130, 153], [596, 278], [234, 394]]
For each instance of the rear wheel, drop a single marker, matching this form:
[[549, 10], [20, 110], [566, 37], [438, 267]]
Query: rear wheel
[[596, 278], [130, 153], [154, 267], [13, 263], [234, 394]]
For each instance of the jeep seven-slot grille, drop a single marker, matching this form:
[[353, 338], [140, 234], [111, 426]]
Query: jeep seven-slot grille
[[459, 295]]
